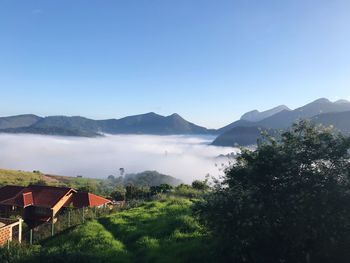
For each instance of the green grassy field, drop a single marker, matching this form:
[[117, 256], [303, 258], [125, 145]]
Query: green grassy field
[[157, 231], [16, 177]]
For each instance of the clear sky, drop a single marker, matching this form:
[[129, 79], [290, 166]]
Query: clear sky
[[208, 60]]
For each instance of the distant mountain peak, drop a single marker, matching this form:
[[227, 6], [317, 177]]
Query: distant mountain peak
[[150, 114], [255, 115], [148, 123], [250, 112], [282, 107], [175, 116], [321, 101], [341, 101], [24, 120]]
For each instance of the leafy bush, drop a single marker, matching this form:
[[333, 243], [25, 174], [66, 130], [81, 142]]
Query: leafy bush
[[200, 185], [184, 190], [118, 194], [287, 201], [159, 189], [135, 192]]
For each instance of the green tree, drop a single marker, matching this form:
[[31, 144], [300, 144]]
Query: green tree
[[200, 185], [131, 192], [111, 178], [163, 188], [135, 192], [286, 201], [119, 193], [41, 182], [89, 187]]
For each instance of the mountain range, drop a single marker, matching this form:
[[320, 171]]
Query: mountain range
[[256, 115], [149, 123], [244, 131], [321, 111]]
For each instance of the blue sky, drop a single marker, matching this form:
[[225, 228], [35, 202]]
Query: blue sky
[[209, 61]]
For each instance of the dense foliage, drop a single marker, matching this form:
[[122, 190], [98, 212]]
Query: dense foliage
[[286, 201], [200, 185], [150, 178], [118, 194], [141, 181]]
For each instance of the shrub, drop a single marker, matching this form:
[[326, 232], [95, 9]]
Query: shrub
[[119, 193], [287, 201], [184, 190], [200, 185]]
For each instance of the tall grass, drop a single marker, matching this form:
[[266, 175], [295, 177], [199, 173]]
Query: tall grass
[[90, 242], [13, 177], [22, 178], [157, 231]]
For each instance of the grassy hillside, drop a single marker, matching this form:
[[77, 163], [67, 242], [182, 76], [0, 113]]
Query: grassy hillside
[[157, 231], [90, 242], [98, 186], [18, 177], [15, 177]]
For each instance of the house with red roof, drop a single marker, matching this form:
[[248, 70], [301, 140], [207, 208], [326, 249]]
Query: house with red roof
[[84, 199], [38, 204]]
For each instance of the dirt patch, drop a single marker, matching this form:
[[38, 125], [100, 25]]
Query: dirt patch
[[49, 178]]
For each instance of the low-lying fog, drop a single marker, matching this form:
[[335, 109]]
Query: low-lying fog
[[184, 157]]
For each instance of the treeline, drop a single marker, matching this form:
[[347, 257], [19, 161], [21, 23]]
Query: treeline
[[143, 186], [134, 192], [140, 182]]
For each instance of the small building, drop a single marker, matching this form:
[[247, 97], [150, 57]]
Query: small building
[[10, 229], [39, 204]]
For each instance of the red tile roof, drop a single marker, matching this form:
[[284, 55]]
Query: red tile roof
[[9, 191], [21, 200], [42, 196], [83, 199]]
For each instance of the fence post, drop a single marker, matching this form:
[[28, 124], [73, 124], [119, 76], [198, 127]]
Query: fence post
[[52, 227], [31, 236], [20, 230], [8, 244], [69, 218]]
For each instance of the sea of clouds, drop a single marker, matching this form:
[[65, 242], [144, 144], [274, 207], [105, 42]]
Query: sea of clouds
[[184, 157]]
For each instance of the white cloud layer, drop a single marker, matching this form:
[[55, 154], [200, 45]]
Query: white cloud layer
[[184, 157]]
